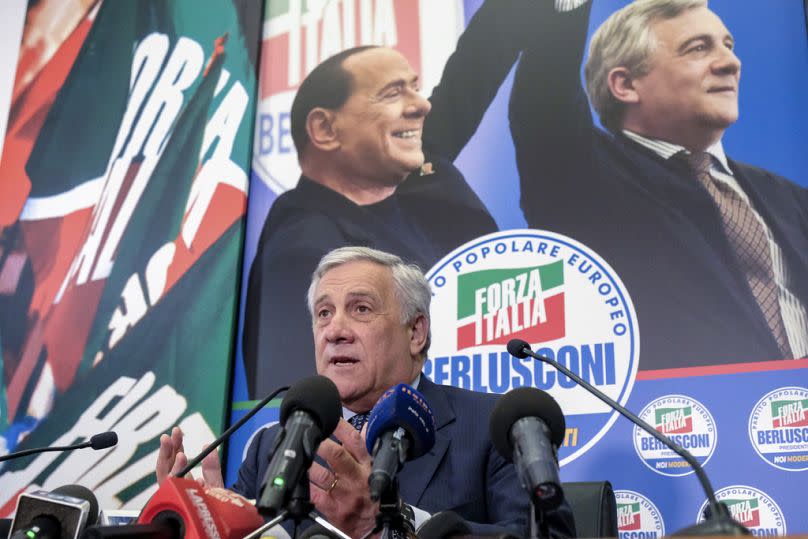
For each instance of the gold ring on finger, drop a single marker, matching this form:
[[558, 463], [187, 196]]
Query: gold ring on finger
[[333, 484]]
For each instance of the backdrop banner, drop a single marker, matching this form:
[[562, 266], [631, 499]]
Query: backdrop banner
[[584, 243]]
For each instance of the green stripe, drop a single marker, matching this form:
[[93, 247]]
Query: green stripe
[[249, 405], [275, 8]]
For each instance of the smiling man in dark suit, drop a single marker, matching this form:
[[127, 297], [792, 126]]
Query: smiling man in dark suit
[[714, 252], [370, 314]]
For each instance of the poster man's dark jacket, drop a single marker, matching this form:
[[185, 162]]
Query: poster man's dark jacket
[[650, 219]]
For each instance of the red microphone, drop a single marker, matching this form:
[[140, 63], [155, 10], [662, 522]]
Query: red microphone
[[194, 511]]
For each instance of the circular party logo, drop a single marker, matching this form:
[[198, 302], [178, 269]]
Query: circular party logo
[[687, 423], [552, 292], [778, 428], [637, 516], [752, 508]]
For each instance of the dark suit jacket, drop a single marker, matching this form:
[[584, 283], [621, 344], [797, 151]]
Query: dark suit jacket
[[462, 473], [649, 219], [424, 220]]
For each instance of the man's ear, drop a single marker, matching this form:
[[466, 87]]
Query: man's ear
[[321, 130], [621, 84], [419, 330]]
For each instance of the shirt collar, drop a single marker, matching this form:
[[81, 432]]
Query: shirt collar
[[348, 414], [667, 149]]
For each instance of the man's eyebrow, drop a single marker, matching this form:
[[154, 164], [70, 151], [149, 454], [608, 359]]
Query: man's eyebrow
[[399, 83], [691, 40], [361, 294], [703, 37]]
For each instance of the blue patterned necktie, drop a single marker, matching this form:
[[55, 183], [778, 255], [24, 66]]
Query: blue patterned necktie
[[358, 421]]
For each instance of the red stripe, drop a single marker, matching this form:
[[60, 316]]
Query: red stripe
[[731, 368]]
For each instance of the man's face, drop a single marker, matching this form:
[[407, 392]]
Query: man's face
[[360, 341], [379, 126], [692, 87]]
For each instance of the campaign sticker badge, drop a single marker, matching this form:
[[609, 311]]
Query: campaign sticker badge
[[684, 420], [556, 294], [751, 507], [778, 428], [637, 516]]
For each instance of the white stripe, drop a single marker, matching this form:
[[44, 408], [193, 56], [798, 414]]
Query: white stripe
[[80, 197], [276, 26]]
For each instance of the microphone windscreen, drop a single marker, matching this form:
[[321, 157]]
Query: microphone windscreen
[[516, 348], [402, 406], [519, 403], [103, 440], [442, 526], [82, 493], [318, 396]]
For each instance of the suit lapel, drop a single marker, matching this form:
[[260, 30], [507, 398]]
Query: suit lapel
[[417, 474]]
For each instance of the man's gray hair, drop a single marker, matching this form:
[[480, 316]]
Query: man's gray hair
[[411, 287], [626, 40]]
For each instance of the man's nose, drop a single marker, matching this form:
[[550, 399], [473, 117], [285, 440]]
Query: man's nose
[[727, 61], [338, 329], [418, 106]]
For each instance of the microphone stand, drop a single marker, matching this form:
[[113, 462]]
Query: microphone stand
[[297, 510], [721, 523], [389, 519], [538, 522]]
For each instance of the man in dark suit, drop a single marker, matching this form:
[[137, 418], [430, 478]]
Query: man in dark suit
[[370, 314], [714, 253], [376, 159]]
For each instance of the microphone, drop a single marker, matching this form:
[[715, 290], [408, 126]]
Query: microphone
[[526, 428], [61, 513], [309, 413], [721, 522], [401, 427], [182, 508], [443, 525], [99, 441]]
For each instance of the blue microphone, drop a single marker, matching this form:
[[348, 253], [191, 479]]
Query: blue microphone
[[401, 427]]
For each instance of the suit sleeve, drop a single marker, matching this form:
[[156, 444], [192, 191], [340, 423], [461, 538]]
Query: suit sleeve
[[485, 53], [549, 114], [277, 339], [247, 481]]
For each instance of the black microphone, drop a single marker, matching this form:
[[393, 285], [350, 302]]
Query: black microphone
[[226, 434], [309, 413], [64, 512], [443, 525], [721, 523], [99, 441], [527, 427]]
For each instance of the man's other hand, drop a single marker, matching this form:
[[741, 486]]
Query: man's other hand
[[171, 459], [341, 494]]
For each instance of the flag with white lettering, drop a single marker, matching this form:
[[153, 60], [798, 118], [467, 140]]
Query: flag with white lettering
[[120, 247]]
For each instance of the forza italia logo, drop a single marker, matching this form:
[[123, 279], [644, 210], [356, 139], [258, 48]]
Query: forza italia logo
[[778, 428], [637, 516], [495, 306], [552, 292], [751, 507]]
